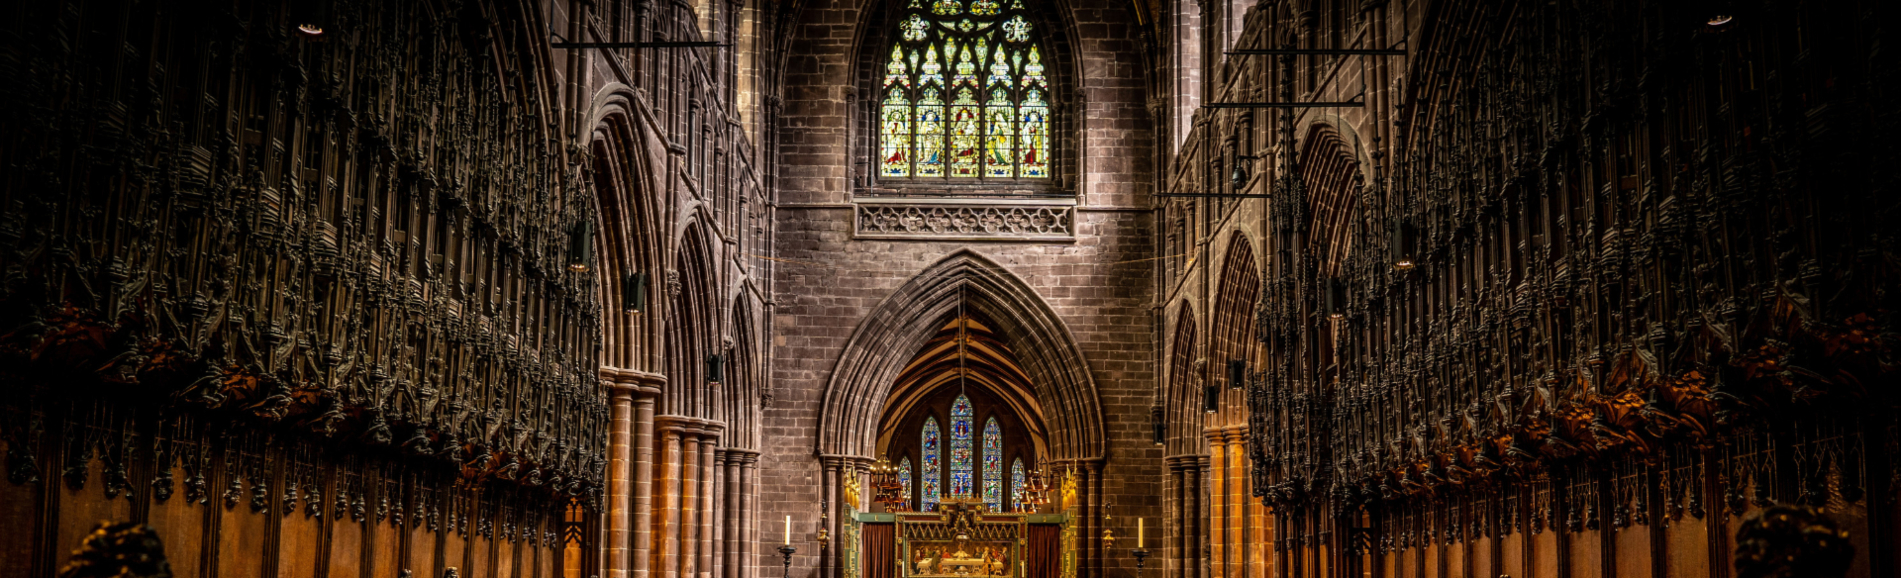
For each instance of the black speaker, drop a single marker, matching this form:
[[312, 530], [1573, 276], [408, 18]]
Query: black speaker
[[1237, 373]]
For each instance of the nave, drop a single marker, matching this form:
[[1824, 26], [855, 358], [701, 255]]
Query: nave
[[949, 289]]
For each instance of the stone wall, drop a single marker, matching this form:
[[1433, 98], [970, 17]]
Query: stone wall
[[828, 279]]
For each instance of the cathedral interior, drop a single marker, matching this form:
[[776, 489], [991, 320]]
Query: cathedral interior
[[950, 288]]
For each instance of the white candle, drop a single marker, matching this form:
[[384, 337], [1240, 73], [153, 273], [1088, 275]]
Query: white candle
[[788, 530], [1138, 531]]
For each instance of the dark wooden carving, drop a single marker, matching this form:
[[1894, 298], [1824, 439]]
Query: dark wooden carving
[[1648, 281], [297, 301], [123, 550]]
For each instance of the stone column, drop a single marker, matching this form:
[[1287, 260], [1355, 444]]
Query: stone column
[[1203, 528], [1191, 518], [629, 534], [828, 491], [619, 482], [689, 561], [730, 514], [709, 472], [668, 527], [643, 484], [1177, 533], [749, 516], [1217, 505]]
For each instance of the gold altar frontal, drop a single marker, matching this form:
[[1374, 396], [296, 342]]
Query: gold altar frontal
[[960, 539]]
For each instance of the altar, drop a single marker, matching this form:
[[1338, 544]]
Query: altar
[[962, 540]]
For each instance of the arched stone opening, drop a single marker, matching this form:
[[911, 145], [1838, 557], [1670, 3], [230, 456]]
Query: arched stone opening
[[985, 371], [912, 315]]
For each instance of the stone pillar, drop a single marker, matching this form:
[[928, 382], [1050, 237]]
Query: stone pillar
[[749, 516], [828, 491], [1202, 526], [1177, 536], [1236, 483], [729, 514], [620, 403], [709, 473], [1217, 505], [628, 536], [689, 560], [668, 527], [1191, 517], [643, 485]]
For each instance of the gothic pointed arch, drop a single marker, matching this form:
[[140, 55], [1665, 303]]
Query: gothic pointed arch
[[628, 243], [1231, 328], [1183, 398], [1064, 394]]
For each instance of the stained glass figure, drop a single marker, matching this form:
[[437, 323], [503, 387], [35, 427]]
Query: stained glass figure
[[961, 464], [971, 76], [897, 135], [929, 469], [993, 465], [904, 477], [1016, 484], [930, 135]]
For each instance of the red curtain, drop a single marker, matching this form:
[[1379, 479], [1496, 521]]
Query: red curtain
[[1045, 551], [881, 552]]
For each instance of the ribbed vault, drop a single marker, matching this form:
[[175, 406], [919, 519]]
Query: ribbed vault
[[906, 325], [984, 362]]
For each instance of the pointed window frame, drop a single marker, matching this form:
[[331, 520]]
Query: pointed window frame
[[965, 98]]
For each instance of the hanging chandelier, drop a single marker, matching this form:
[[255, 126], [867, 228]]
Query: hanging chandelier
[[886, 487], [1036, 487]]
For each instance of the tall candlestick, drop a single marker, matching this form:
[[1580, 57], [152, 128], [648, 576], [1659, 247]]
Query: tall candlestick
[[788, 530], [1138, 531]]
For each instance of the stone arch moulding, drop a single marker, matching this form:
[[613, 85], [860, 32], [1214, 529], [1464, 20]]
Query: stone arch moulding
[[848, 419]]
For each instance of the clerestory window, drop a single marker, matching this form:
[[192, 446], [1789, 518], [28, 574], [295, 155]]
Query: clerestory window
[[965, 97]]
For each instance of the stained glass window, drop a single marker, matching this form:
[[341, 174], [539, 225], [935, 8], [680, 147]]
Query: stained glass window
[[1016, 484], [960, 450], [904, 477], [993, 465], [928, 492], [965, 95]]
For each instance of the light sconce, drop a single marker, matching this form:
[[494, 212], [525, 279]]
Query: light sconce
[[580, 247]]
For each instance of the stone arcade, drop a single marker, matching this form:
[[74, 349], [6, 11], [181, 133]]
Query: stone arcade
[[950, 288]]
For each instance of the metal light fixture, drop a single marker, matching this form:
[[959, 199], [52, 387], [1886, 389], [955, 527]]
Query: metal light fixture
[[1718, 20], [310, 29], [1404, 245], [1240, 176], [1159, 425], [633, 292], [887, 487], [1336, 299], [580, 247]]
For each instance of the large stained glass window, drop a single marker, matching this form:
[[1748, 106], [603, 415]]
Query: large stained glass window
[[965, 94], [904, 477], [993, 465], [928, 471], [1016, 485], [961, 466]]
